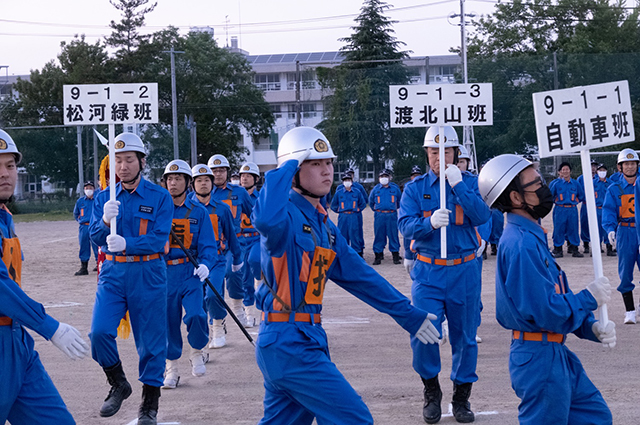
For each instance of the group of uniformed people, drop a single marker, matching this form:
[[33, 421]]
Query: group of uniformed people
[[277, 249]]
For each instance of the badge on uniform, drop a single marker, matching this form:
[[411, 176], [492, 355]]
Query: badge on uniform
[[426, 196], [306, 228], [146, 209], [193, 220], [234, 197]]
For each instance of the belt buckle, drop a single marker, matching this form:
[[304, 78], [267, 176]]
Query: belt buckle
[[130, 258], [450, 262]]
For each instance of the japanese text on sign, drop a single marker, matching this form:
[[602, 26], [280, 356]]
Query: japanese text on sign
[[580, 118], [443, 104], [87, 104]]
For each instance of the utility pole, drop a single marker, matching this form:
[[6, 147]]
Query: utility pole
[[80, 161], [174, 105], [298, 108], [191, 125]]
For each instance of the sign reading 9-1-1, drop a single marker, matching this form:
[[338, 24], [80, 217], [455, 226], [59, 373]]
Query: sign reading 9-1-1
[[581, 118], [441, 104]]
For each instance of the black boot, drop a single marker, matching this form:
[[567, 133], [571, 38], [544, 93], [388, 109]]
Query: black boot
[[149, 406], [610, 251], [460, 403], [557, 252], [120, 390], [378, 258], [576, 252], [83, 269], [396, 258], [586, 247], [494, 249], [431, 411]]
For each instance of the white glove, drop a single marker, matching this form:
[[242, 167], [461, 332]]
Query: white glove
[[483, 245], [300, 156], [428, 334], [601, 290], [110, 210], [445, 332], [440, 218], [202, 272], [236, 267], [68, 340], [453, 174], [606, 334], [612, 239], [408, 265], [116, 243]]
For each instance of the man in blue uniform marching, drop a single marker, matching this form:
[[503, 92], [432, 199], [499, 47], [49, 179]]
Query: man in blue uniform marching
[[384, 200], [619, 221], [133, 277], [240, 203], [534, 302], [448, 287], [348, 203], [301, 250], [27, 394], [230, 251], [82, 214], [191, 224], [567, 194]]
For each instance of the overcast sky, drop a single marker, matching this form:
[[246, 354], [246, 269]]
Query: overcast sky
[[31, 30]]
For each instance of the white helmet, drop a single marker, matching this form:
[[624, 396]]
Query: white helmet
[[497, 174], [627, 155], [463, 153], [432, 137], [304, 138], [129, 142], [218, 161], [177, 166], [7, 145], [250, 168], [201, 170]]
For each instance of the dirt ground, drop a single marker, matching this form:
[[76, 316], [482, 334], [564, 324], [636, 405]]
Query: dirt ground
[[368, 347]]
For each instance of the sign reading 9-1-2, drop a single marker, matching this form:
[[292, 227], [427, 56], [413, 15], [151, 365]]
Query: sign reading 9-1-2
[[582, 118], [441, 104]]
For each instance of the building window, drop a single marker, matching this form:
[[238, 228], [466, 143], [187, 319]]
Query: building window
[[275, 110], [443, 74], [308, 80], [268, 143], [307, 109], [267, 82]]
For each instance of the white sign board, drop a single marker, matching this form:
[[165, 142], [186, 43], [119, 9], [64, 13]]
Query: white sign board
[[88, 104], [441, 104], [582, 118]]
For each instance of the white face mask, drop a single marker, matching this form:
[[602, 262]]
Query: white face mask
[[236, 182], [384, 181], [347, 184], [88, 193], [602, 174]]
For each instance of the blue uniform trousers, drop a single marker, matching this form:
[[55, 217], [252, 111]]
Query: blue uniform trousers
[[385, 225], [584, 224], [248, 272], [350, 225], [553, 386], [627, 247], [234, 279], [141, 288], [454, 292], [86, 244], [285, 352], [565, 225], [216, 276], [27, 394], [184, 290]]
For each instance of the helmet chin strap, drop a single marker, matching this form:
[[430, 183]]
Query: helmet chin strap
[[305, 192], [203, 195]]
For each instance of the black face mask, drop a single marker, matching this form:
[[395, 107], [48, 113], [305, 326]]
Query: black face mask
[[540, 211]]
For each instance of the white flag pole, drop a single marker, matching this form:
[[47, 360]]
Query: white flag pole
[[112, 173], [443, 191]]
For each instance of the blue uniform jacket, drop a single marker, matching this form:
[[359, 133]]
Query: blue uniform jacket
[[289, 224], [348, 200], [238, 200], [528, 280], [225, 225], [566, 192], [204, 246], [600, 189], [83, 209], [422, 197], [14, 303], [619, 205], [385, 198], [152, 210], [247, 226]]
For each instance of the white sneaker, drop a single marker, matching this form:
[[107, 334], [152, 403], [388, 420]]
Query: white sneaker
[[171, 377], [197, 362], [630, 318], [218, 331], [250, 317], [238, 309], [478, 339]]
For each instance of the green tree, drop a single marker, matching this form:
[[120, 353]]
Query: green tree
[[357, 108]]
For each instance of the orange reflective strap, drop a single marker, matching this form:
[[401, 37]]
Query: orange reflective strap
[[304, 269], [214, 223], [245, 222], [426, 214], [628, 206], [81, 212], [234, 208], [561, 197], [12, 258], [281, 273], [143, 226], [459, 215], [393, 199], [342, 205], [322, 260], [181, 227]]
